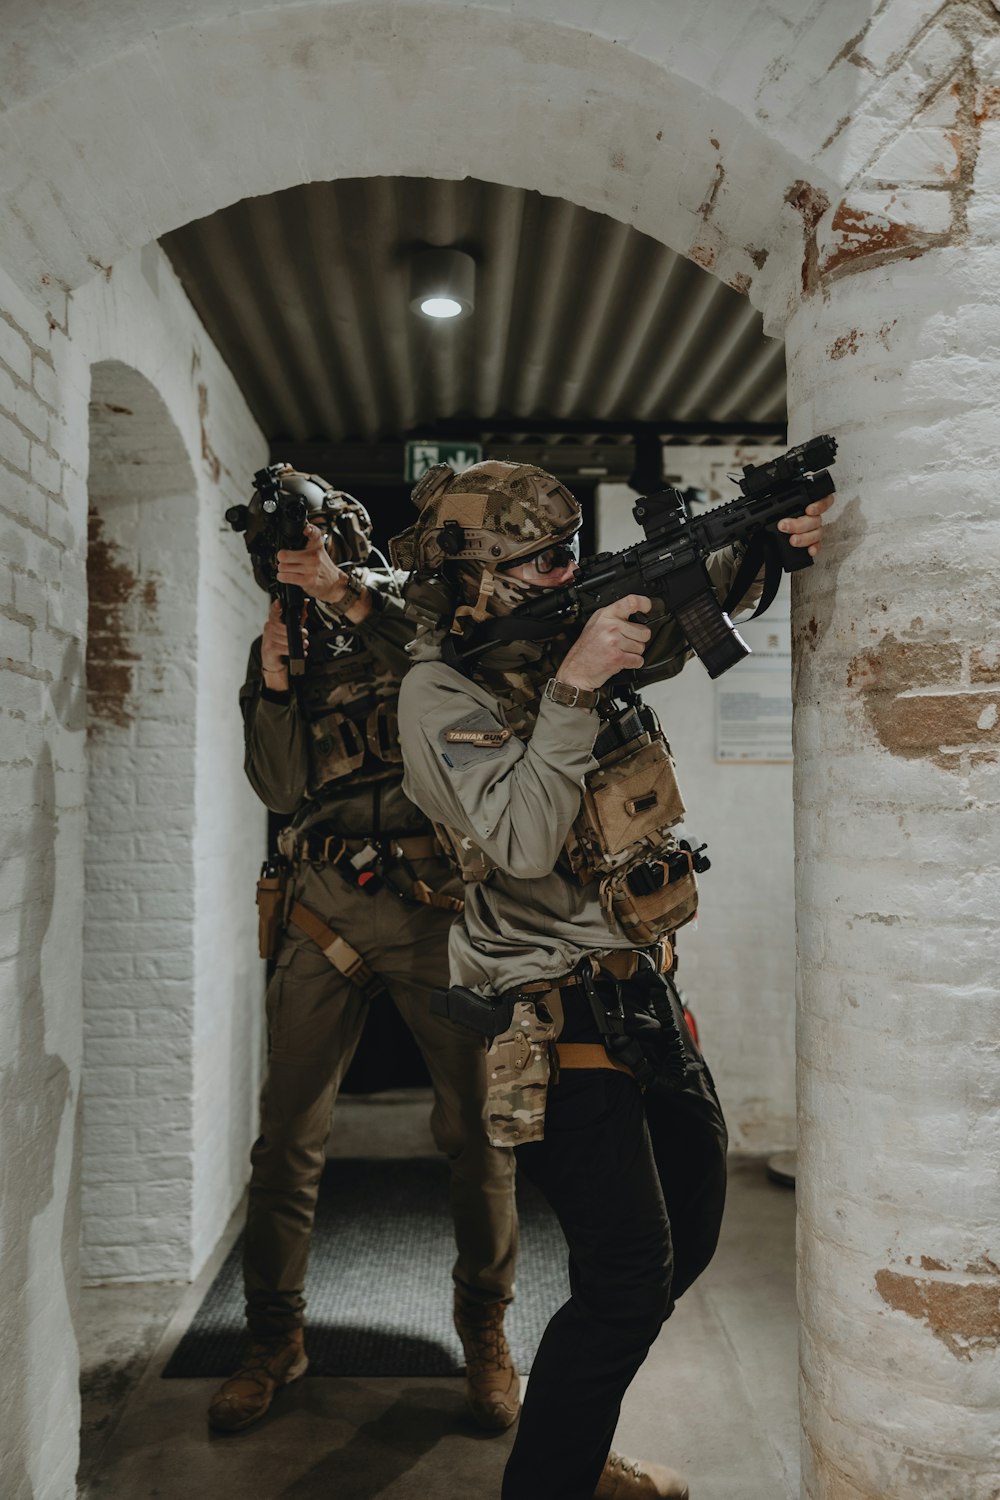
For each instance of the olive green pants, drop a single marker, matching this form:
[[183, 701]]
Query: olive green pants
[[315, 1018]]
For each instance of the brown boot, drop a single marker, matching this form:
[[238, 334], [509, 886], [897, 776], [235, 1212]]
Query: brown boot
[[246, 1396], [634, 1479], [492, 1388]]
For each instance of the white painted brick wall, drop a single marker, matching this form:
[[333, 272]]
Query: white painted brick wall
[[897, 785], [141, 1206]]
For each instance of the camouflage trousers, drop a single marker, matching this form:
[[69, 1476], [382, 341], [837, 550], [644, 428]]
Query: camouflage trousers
[[315, 1018]]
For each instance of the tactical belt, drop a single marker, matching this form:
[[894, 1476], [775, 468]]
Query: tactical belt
[[317, 848], [588, 1055], [338, 951], [619, 963]]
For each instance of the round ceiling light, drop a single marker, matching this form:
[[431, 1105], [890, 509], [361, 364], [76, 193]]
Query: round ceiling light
[[440, 307], [442, 283]]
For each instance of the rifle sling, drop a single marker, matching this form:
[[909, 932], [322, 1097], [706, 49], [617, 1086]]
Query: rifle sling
[[761, 549]]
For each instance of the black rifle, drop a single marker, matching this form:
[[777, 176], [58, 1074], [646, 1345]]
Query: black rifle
[[274, 520], [670, 563]]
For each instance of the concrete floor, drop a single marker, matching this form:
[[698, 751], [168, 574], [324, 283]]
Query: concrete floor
[[716, 1398]]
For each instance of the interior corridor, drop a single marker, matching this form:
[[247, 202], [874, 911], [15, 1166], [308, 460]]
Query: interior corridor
[[716, 1398]]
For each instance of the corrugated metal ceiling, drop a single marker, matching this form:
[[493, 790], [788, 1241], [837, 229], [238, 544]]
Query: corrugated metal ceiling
[[581, 324]]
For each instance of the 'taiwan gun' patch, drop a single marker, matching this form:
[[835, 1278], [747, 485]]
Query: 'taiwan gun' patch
[[476, 737]]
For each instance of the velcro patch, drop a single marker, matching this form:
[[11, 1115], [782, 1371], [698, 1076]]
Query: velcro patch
[[477, 737]]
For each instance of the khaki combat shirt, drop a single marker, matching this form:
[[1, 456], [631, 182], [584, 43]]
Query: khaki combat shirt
[[517, 801]]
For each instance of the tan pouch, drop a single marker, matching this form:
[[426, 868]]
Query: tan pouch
[[647, 919], [338, 747], [270, 908], [632, 798], [382, 733]]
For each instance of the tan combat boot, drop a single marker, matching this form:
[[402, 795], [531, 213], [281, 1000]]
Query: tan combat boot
[[246, 1396], [492, 1387], [634, 1479]]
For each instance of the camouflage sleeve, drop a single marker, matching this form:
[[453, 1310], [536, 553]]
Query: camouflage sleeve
[[276, 759], [514, 799], [668, 649], [387, 630]]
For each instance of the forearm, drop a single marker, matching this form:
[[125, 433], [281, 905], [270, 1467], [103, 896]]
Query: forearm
[[276, 758]]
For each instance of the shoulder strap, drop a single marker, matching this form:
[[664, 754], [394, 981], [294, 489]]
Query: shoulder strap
[[338, 950]]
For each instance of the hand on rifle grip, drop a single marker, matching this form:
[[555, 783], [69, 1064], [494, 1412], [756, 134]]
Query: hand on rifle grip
[[792, 558]]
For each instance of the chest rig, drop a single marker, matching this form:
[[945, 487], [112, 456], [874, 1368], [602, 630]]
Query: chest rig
[[348, 700], [625, 836]]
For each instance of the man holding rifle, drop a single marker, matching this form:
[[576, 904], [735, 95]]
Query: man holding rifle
[[359, 903], [551, 783]]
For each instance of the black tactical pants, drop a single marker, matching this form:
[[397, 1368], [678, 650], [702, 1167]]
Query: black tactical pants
[[315, 1019], [638, 1184]]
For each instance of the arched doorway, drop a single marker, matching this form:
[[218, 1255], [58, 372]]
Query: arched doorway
[[142, 574]]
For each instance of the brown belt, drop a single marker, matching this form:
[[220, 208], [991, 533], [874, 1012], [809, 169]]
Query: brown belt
[[620, 963], [329, 848], [587, 1055]]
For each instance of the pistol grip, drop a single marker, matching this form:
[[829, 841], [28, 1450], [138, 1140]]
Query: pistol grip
[[792, 558]]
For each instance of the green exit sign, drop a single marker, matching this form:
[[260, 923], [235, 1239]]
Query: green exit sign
[[423, 456]]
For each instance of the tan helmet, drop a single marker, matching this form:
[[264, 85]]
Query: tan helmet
[[493, 513]]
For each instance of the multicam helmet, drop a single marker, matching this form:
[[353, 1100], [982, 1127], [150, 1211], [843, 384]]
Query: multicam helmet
[[494, 514], [272, 518]]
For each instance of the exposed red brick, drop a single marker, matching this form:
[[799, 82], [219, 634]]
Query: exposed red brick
[[892, 681], [703, 255], [758, 256], [988, 105], [870, 240], [111, 585], [846, 344], [985, 664], [898, 665], [964, 1315], [812, 203], [741, 283]]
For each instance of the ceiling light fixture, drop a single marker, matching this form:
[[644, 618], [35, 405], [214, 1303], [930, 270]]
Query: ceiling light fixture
[[442, 283]]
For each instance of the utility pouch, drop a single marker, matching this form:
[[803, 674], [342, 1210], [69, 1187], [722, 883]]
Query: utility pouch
[[647, 907], [338, 746], [382, 735], [271, 906], [630, 800]]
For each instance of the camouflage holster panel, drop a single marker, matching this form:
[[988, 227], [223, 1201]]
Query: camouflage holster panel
[[630, 806], [471, 862], [517, 1076]]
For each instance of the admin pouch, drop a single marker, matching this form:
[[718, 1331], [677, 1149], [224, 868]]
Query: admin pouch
[[624, 838]]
